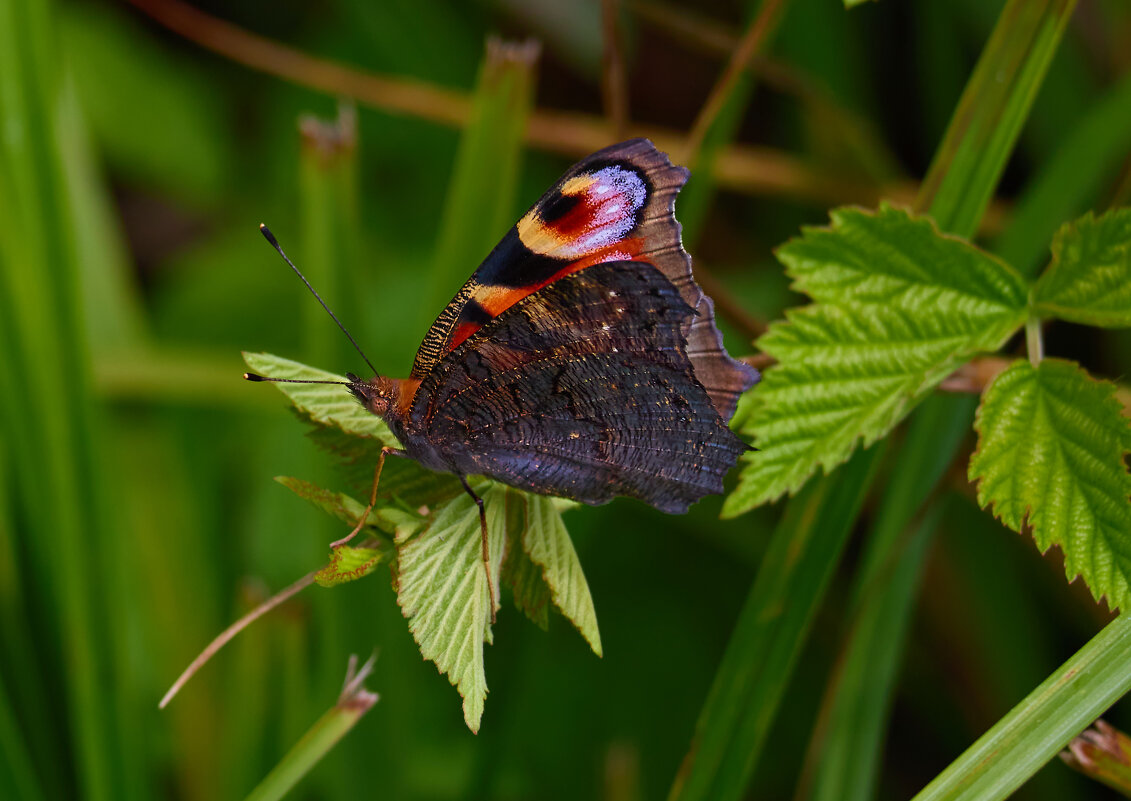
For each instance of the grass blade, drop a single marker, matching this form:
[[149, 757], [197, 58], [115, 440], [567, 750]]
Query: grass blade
[[771, 629], [1036, 729], [844, 755], [490, 152], [353, 703], [991, 112], [1067, 183]]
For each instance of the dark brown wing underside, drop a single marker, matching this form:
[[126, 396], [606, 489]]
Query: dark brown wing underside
[[583, 390]]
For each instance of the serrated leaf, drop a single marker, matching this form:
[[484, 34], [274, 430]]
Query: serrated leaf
[[900, 307], [346, 430], [325, 404], [401, 479], [530, 592], [1050, 456], [892, 258], [386, 518], [548, 545], [348, 564], [1089, 279], [442, 590], [335, 504]]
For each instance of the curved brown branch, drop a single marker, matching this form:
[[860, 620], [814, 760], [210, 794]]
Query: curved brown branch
[[750, 170]]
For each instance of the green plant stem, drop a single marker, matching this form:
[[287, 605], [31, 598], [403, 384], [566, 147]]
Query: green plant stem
[[771, 629], [1034, 342], [353, 703], [1035, 730]]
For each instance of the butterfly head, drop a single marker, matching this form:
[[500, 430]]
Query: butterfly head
[[378, 395]]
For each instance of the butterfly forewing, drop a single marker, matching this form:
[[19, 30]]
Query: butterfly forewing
[[616, 205], [582, 389]]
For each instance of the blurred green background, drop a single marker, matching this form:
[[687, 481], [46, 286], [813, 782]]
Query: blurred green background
[[137, 512]]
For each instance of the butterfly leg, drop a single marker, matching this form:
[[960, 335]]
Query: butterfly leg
[[372, 496], [486, 551]]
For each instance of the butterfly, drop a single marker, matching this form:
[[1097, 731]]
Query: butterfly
[[581, 359]]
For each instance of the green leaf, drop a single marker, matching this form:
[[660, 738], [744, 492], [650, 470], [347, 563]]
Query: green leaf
[[348, 564], [1089, 279], [900, 306], [548, 545], [531, 593], [1019, 744], [1051, 442], [336, 504], [442, 590], [325, 404], [990, 114]]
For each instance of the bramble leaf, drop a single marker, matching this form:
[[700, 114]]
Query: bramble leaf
[[335, 504], [548, 545], [434, 526], [899, 307], [348, 431], [1050, 456], [348, 564], [325, 404], [442, 590], [1089, 279]]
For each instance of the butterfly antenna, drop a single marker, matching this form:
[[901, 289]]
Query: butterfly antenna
[[255, 377], [270, 237]]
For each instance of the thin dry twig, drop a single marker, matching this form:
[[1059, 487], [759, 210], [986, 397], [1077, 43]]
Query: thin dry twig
[[226, 636], [750, 170], [749, 326], [756, 35]]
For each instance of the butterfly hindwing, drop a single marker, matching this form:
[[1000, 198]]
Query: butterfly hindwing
[[616, 205], [582, 389]]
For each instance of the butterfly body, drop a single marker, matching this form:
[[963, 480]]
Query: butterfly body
[[581, 359]]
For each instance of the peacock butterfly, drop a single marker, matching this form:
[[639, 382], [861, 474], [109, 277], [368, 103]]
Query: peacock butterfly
[[581, 359]]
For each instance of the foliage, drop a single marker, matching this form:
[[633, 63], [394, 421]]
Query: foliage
[[898, 307], [438, 569], [143, 142], [1051, 442]]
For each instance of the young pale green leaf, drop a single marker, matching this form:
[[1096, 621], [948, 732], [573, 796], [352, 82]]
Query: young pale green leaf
[[349, 564], [1089, 279], [900, 306], [548, 545], [1051, 444], [335, 504], [530, 592], [442, 590], [324, 404]]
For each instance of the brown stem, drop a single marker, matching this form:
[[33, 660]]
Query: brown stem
[[728, 307], [756, 35], [226, 636], [751, 170]]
